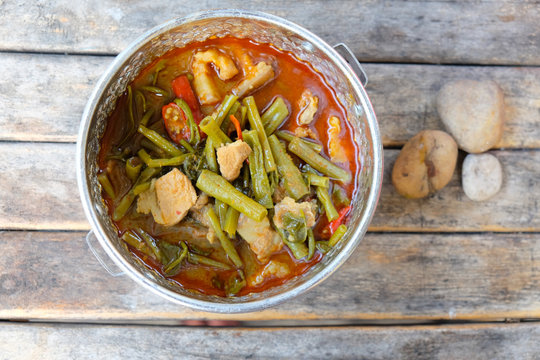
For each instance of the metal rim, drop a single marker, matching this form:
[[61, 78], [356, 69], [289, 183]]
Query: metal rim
[[255, 305]]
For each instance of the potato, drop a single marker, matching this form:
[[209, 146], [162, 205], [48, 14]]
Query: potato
[[425, 164]]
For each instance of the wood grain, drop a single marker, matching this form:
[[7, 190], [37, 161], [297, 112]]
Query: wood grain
[[53, 276], [482, 32], [70, 341], [516, 207], [42, 97], [38, 187], [403, 97], [39, 192], [421, 265]]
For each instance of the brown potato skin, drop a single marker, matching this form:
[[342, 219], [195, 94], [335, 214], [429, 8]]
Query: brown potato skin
[[425, 164]]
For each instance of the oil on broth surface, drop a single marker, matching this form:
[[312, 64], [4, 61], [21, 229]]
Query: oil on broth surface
[[292, 77]]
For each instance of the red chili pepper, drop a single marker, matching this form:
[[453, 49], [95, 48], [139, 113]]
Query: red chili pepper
[[333, 225], [236, 123], [175, 122], [182, 89]]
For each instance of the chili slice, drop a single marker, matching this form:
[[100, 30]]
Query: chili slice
[[333, 225], [236, 123], [175, 122], [182, 89]]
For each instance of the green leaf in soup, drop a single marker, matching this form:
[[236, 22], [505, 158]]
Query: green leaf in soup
[[322, 246], [200, 251], [192, 167], [168, 251], [339, 196], [235, 283], [172, 257], [217, 283], [295, 227]]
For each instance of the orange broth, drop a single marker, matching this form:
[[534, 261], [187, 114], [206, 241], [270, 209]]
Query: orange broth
[[292, 78]]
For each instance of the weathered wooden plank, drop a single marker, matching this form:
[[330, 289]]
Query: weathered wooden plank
[[38, 187], [39, 192], [49, 105], [69, 341], [403, 97], [42, 97], [515, 208], [54, 276], [483, 32]]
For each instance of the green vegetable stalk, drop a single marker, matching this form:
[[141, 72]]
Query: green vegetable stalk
[[275, 115], [226, 243], [259, 178], [304, 152], [256, 124], [292, 178], [219, 188], [160, 141]]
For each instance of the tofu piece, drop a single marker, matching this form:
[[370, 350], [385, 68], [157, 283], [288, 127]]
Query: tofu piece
[[260, 236], [272, 269], [309, 105], [255, 77], [231, 157], [288, 205], [335, 149], [168, 199]]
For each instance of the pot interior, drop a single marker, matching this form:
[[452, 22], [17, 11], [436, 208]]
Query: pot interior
[[261, 29]]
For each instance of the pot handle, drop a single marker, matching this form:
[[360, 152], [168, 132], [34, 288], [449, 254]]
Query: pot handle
[[92, 243], [349, 57]]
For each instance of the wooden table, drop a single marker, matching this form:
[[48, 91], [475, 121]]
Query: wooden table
[[438, 278]]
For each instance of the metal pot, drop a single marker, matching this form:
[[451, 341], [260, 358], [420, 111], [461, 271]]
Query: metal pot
[[262, 28]]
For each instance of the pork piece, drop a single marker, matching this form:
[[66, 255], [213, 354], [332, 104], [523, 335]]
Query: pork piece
[[289, 206], [202, 80], [260, 236], [199, 215], [231, 157], [175, 195], [168, 199], [147, 203], [304, 131], [188, 230], [202, 200], [279, 192], [309, 105], [272, 269], [255, 77], [335, 149]]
